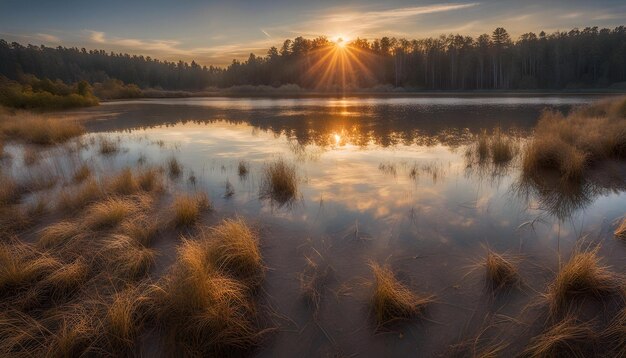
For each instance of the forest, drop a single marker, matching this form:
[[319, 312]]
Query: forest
[[575, 59]]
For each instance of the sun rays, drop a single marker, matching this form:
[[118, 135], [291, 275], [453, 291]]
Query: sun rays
[[339, 65]]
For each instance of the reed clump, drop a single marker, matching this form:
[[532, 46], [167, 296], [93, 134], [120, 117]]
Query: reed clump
[[81, 174], [496, 147], [174, 167], [582, 275], [242, 169], [234, 249], [571, 144], [77, 198], [113, 210], [280, 181], [108, 146], [186, 209], [500, 271], [392, 300], [40, 129]]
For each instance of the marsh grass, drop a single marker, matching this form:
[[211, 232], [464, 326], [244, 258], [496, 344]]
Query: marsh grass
[[234, 249], [113, 210], [615, 334], [10, 190], [126, 258], [280, 181], [568, 338], [392, 300], [243, 169], [21, 266], [174, 168], [203, 311], [76, 198], [581, 276], [496, 147], [313, 279], [108, 146], [66, 280], [140, 228], [40, 129], [126, 316], [571, 144], [59, 234], [81, 174], [186, 209], [500, 271]]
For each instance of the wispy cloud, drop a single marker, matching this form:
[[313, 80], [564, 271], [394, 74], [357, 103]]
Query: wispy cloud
[[266, 33]]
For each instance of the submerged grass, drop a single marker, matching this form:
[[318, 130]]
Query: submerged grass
[[392, 300], [568, 338], [280, 181]]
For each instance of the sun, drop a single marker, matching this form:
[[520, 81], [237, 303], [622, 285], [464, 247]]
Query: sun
[[340, 41]]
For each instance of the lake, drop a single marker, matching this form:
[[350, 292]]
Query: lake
[[385, 180]]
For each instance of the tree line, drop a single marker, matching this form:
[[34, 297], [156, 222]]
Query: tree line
[[587, 58]]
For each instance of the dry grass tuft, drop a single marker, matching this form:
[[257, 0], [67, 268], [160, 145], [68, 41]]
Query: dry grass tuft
[[150, 180], [174, 167], [186, 209], [620, 231], [81, 174], [41, 130], [570, 144], [123, 183], [73, 338], [59, 234], [127, 259], [20, 267], [615, 334], [125, 318], [500, 271], [392, 300], [112, 211], [205, 312], [280, 181], [107, 146], [67, 279], [582, 275], [312, 282], [234, 249], [140, 228], [567, 338], [10, 191], [497, 147], [78, 198]]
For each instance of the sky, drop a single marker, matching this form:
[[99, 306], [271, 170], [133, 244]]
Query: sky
[[215, 32]]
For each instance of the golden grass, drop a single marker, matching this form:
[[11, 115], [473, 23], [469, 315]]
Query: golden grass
[[21, 335], [73, 338], [140, 228], [58, 234], [615, 334], [567, 338], [234, 249], [81, 174], [20, 267], [123, 183], [149, 180], [204, 311], [280, 181], [174, 167], [67, 279], [500, 271], [392, 300], [497, 147], [620, 231], [126, 258], [78, 198], [124, 319], [186, 209], [573, 143], [39, 129], [10, 191], [113, 210], [107, 146], [30, 156], [582, 275]]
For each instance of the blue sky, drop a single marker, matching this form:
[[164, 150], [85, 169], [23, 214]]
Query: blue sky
[[215, 32]]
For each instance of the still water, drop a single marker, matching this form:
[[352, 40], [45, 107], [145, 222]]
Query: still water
[[382, 180]]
